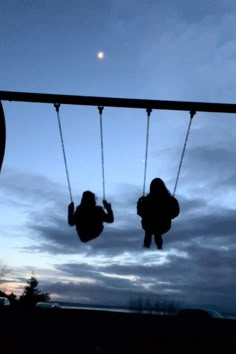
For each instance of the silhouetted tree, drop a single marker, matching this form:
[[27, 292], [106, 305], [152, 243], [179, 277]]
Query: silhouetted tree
[[3, 271], [143, 304], [2, 294], [13, 299], [32, 294]]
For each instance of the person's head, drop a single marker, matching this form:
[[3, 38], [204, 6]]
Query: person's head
[[158, 187], [88, 199]]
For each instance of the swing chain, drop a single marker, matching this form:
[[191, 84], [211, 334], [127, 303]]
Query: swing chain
[[57, 108], [148, 110], [192, 114], [100, 110]]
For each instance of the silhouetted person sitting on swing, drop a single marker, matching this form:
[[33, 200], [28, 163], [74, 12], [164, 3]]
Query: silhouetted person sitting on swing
[[88, 217], [156, 210]]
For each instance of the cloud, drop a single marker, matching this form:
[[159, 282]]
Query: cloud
[[191, 55], [29, 191], [197, 265], [188, 47], [198, 262], [200, 276]]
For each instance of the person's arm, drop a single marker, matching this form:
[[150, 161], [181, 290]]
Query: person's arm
[[174, 208], [140, 206], [71, 214], [108, 216]]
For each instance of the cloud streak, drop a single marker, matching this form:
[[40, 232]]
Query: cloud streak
[[191, 54], [199, 259]]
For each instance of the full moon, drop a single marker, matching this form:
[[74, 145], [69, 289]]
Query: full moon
[[100, 55]]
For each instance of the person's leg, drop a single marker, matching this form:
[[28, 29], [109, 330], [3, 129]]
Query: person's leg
[[158, 241], [147, 239]]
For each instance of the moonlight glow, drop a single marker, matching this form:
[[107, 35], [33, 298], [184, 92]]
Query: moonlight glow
[[100, 55]]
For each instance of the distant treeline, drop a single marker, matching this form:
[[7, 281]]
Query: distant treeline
[[30, 296]]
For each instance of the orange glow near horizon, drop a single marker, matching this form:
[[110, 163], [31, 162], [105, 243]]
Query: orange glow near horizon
[[13, 287]]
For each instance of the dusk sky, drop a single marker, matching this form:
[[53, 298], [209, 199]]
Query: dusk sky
[[153, 49]]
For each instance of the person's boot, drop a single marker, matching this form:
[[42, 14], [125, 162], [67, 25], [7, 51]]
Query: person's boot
[[159, 242], [147, 240]]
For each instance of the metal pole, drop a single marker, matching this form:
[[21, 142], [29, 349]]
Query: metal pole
[[118, 102], [2, 135]]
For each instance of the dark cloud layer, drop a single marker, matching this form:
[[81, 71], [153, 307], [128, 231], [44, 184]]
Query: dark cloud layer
[[187, 47], [197, 266], [204, 276]]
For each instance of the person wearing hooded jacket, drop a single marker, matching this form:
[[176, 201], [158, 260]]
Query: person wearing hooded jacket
[[157, 209], [88, 218]]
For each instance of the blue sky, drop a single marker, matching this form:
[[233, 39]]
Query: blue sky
[[155, 50]]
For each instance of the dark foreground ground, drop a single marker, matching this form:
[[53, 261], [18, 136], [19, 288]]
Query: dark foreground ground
[[85, 331]]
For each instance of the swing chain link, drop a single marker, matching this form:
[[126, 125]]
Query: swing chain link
[[148, 110], [192, 114], [57, 108], [100, 110]]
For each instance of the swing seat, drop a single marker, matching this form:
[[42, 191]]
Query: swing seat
[[89, 224], [157, 227], [156, 215], [86, 235], [154, 220]]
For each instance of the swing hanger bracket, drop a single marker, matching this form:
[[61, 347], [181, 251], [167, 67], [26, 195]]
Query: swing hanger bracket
[[192, 114], [149, 111], [100, 109], [57, 107]]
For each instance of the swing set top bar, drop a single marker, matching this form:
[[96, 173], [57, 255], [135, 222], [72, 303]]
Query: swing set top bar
[[117, 102]]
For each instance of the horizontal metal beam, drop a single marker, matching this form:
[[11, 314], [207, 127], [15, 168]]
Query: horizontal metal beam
[[118, 102]]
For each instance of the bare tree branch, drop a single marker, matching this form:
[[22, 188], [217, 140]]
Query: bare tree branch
[[3, 271]]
